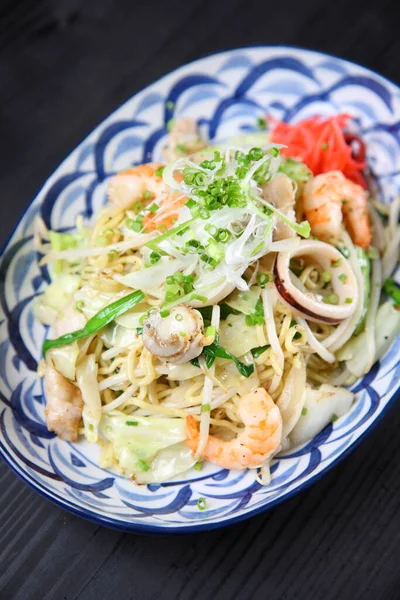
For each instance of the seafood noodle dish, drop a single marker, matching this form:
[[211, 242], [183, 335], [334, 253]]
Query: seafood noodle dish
[[220, 305]]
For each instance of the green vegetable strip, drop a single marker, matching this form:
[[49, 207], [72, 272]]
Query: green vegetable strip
[[214, 351], [105, 316], [391, 288]]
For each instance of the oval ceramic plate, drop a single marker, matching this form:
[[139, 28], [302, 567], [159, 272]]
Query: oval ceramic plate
[[225, 93]]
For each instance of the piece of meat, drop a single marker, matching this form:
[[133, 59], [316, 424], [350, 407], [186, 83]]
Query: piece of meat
[[64, 405]]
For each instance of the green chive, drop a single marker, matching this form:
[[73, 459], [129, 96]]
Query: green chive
[[164, 313], [158, 172], [144, 466], [343, 277], [181, 148], [179, 317], [132, 423], [304, 411], [261, 123], [183, 334], [201, 503], [326, 276], [134, 225], [198, 466], [211, 330], [348, 301], [331, 299], [154, 257], [274, 152], [205, 408], [334, 418], [153, 208], [147, 194], [262, 279]]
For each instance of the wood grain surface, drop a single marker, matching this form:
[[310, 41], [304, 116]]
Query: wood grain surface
[[64, 65]]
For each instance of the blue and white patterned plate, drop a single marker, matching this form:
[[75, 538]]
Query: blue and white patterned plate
[[225, 93]]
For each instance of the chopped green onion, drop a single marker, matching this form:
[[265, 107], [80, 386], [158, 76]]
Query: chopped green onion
[[256, 154], [182, 333], [164, 313], [144, 466], [170, 105], [326, 276], [153, 208], [147, 194], [324, 146], [343, 277], [198, 466], [211, 330], [170, 124], [134, 225], [304, 411], [154, 257], [336, 263], [181, 148], [334, 418], [205, 408], [201, 503], [179, 317], [331, 299], [132, 423], [274, 152], [261, 123], [263, 278], [158, 172], [348, 301]]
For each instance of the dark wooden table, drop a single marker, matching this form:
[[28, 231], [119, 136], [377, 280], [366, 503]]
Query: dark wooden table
[[64, 65]]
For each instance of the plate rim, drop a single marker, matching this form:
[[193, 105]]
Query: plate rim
[[187, 528]]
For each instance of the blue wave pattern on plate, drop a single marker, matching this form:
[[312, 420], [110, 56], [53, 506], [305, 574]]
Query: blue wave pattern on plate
[[226, 93]]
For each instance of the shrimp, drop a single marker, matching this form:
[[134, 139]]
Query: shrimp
[[330, 197], [279, 192], [131, 185], [134, 185], [259, 440], [183, 139], [64, 405]]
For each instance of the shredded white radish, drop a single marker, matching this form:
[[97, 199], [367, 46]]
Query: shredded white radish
[[269, 299], [75, 253]]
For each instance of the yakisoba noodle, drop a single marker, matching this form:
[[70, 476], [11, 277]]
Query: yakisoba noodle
[[214, 309]]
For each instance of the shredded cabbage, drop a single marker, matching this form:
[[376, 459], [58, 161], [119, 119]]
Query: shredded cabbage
[[320, 408], [148, 449], [238, 337]]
